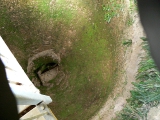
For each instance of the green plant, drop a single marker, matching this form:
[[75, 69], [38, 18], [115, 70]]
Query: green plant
[[143, 38], [111, 10], [146, 92], [133, 6], [127, 42], [130, 22]]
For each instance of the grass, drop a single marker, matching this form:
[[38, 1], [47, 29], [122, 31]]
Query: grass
[[111, 9], [90, 63], [145, 94], [127, 42], [130, 22], [55, 12], [133, 6], [143, 38], [132, 9]]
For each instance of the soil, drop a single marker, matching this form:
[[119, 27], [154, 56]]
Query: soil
[[132, 56], [154, 113], [63, 44]]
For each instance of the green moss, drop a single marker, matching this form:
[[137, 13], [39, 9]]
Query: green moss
[[89, 63]]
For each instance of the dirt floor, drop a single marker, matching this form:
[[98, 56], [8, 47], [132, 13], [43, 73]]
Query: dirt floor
[[77, 31], [132, 56]]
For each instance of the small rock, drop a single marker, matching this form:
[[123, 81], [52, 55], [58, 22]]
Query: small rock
[[36, 82], [154, 113], [49, 75]]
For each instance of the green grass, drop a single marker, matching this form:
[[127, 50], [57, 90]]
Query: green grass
[[127, 42], [89, 63], [133, 6], [132, 10], [56, 12], [111, 9], [145, 94], [143, 38], [129, 22]]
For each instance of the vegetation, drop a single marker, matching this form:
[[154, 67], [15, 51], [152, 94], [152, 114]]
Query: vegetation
[[146, 90], [133, 6], [88, 49], [143, 38], [130, 22], [111, 9], [127, 42]]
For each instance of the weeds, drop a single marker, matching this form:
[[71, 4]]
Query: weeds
[[111, 10], [127, 42], [130, 22], [146, 93], [143, 38], [133, 6], [132, 9]]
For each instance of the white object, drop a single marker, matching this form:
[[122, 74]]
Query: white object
[[23, 89]]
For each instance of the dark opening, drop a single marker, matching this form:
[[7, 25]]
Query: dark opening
[[48, 67], [44, 68]]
